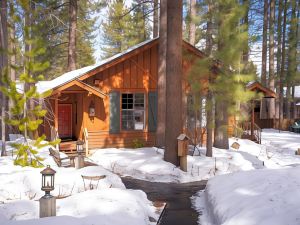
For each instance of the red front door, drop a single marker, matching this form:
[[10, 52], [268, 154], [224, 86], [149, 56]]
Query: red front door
[[65, 120]]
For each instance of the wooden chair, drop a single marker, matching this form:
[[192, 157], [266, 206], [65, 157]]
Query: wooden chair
[[64, 161], [93, 181]]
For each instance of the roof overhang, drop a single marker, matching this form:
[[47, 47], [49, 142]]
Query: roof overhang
[[82, 85], [256, 86]]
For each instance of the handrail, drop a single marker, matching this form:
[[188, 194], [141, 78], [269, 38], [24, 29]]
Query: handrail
[[245, 128]]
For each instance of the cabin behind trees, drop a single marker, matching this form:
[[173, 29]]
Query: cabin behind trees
[[115, 100]]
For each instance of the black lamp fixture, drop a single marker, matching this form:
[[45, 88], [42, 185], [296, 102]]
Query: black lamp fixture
[[48, 180]]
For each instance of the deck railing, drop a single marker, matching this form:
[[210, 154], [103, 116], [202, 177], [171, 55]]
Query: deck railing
[[244, 129]]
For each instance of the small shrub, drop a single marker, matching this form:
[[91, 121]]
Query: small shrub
[[137, 143]]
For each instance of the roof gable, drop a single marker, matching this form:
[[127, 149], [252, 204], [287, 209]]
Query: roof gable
[[256, 86], [86, 72]]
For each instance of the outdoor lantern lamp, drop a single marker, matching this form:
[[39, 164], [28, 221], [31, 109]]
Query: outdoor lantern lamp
[[92, 109], [79, 147], [48, 180]]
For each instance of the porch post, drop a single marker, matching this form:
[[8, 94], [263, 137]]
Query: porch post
[[252, 119], [56, 113]]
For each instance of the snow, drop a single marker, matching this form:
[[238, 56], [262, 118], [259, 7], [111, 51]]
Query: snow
[[110, 203], [106, 206], [268, 196], [148, 164]]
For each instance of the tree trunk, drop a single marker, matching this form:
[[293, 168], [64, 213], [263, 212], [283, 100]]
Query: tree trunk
[[282, 66], [278, 56], [72, 35], [12, 59], [264, 46], [292, 55], [162, 50], [155, 19], [3, 65], [173, 80], [209, 124], [246, 23], [218, 118], [209, 99], [192, 30], [271, 58]]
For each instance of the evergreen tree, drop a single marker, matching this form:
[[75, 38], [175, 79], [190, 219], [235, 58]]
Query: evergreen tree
[[23, 115], [116, 28], [125, 27], [53, 19], [140, 29]]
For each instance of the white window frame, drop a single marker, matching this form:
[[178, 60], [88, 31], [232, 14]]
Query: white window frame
[[134, 109]]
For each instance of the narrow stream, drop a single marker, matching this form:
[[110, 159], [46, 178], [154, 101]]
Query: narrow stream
[[177, 196]]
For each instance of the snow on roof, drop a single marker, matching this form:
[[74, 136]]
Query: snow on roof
[[43, 86]]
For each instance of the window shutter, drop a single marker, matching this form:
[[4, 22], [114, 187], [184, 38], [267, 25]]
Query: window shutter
[[152, 111], [114, 112]]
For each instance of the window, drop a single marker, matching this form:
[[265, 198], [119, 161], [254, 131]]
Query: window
[[133, 111]]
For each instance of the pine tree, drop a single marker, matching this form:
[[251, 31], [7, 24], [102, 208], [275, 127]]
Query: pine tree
[[264, 45], [23, 115], [3, 68], [115, 30], [173, 113], [53, 20], [140, 29], [292, 56], [229, 85], [73, 9]]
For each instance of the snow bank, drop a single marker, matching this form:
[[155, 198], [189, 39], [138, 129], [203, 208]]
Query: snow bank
[[25, 183], [111, 203], [107, 206], [268, 197], [148, 164]]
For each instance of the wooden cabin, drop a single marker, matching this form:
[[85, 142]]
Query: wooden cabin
[[114, 100]]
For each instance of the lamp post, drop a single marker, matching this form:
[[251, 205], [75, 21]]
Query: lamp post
[[79, 162], [47, 202]]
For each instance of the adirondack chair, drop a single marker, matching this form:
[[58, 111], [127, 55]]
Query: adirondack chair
[[61, 159]]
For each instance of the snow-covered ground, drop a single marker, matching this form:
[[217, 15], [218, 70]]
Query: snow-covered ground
[[269, 196], [111, 203], [148, 163]]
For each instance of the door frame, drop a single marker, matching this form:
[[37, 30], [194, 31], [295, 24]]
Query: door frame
[[71, 112]]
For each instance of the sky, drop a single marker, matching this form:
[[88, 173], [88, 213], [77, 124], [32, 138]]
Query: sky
[[102, 17], [255, 50]]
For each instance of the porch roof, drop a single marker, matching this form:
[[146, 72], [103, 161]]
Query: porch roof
[[255, 85], [82, 85]]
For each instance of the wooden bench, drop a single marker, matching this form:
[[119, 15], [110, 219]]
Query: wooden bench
[[61, 162]]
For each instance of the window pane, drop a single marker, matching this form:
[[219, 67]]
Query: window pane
[[139, 101], [139, 120], [127, 120]]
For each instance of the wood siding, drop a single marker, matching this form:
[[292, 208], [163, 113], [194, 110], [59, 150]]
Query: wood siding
[[134, 72]]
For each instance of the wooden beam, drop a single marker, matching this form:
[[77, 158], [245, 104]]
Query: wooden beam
[[56, 113], [80, 84]]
